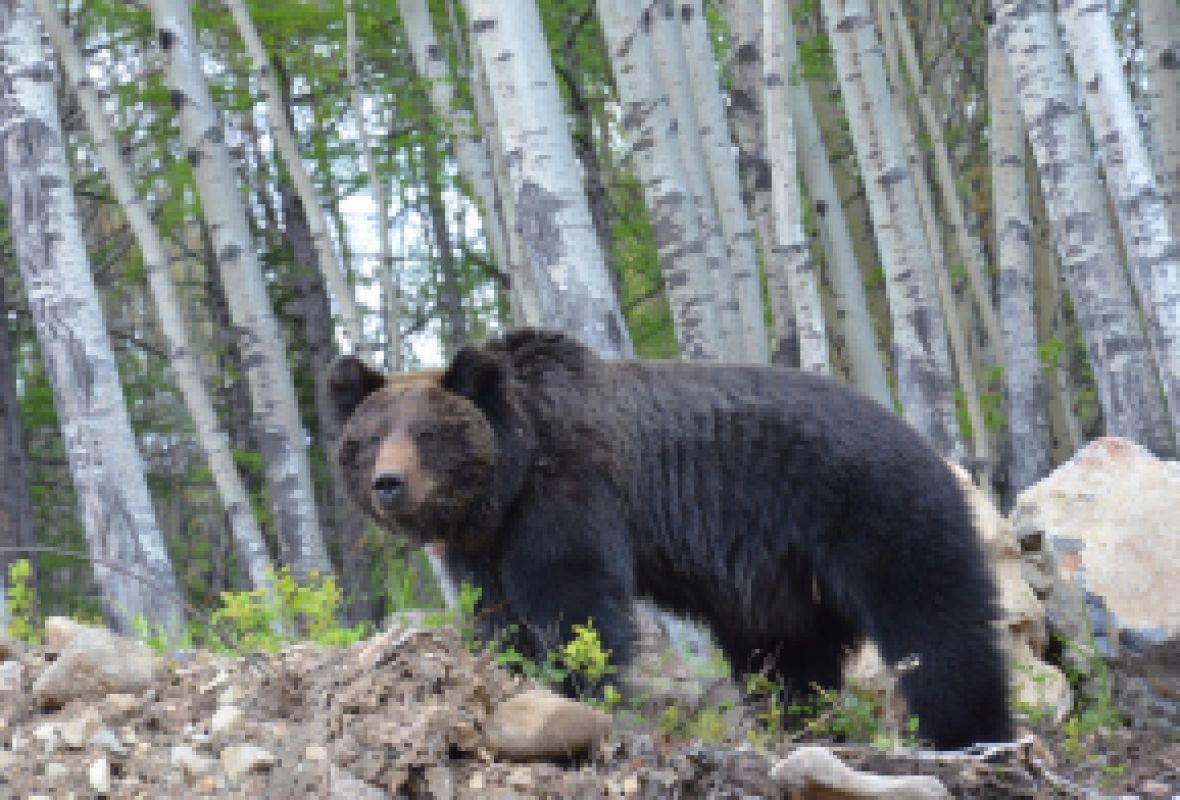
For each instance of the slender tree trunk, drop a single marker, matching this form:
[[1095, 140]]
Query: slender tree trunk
[[574, 286], [747, 117], [345, 522], [1159, 22], [116, 509], [649, 124], [1028, 421], [921, 360], [450, 298], [672, 66], [1152, 248], [791, 253], [471, 150], [326, 259], [16, 510], [852, 308], [390, 291], [968, 246], [272, 390], [721, 164], [1128, 387], [214, 443]]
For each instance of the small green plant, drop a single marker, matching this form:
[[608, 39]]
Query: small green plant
[[283, 611], [706, 725], [585, 659], [771, 715], [22, 600]]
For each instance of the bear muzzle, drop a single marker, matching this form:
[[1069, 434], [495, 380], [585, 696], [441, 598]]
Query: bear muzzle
[[389, 491]]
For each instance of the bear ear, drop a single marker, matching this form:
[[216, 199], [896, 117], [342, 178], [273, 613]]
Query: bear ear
[[350, 381], [476, 374]]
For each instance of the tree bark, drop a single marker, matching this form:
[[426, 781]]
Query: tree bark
[[326, 259], [648, 123], [116, 509], [1128, 387], [1152, 248], [1028, 421], [272, 390], [214, 443], [736, 227], [791, 255], [1159, 22], [921, 360], [573, 284]]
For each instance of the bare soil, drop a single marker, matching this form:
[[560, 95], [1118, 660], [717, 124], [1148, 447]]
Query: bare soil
[[403, 716]]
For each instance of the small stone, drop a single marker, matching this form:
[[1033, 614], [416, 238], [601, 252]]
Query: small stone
[[316, 752], [99, 774], [815, 773], [521, 778], [231, 696], [60, 631], [191, 761], [476, 783], [540, 724], [122, 703], [77, 731], [95, 663], [1155, 789], [46, 733], [107, 741], [55, 771], [240, 759], [9, 650], [225, 719], [10, 676], [630, 785], [346, 786], [440, 783]]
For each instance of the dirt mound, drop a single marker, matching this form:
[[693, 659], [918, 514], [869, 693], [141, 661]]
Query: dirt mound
[[404, 714]]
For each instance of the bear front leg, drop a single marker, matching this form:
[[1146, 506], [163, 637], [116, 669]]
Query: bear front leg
[[560, 571]]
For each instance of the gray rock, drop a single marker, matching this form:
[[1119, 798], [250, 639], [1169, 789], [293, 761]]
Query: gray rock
[[99, 774], [192, 762], [95, 663], [240, 759], [541, 724], [11, 673], [814, 773]]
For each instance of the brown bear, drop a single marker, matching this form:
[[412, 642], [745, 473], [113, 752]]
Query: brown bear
[[787, 511]]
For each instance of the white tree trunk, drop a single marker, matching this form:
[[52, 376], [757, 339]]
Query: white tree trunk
[[213, 440], [968, 246], [791, 254], [471, 151], [1159, 22], [390, 293], [116, 509], [272, 391], [723, 178], [573, 284], [1027, 402], [651, 129], [1128, 387], [1152, 249], [326, 258], [922, 363], [660, 19]]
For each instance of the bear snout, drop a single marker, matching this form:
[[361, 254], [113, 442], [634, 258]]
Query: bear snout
[[389, 491]]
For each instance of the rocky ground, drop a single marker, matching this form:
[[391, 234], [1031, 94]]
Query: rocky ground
[[413, 714]]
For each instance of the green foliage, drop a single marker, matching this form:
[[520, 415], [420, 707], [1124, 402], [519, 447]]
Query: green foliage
[[585, 660], [22, 602], [707, 724], [267, 617], [767, 695]]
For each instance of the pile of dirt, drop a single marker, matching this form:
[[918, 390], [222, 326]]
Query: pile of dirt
[[405, 714]]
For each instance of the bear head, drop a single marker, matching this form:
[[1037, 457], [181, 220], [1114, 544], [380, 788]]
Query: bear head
[[434, 455]]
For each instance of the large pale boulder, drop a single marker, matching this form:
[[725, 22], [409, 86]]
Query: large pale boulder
[[1107, 523], [541, 724], [815, 773], [94, 664]]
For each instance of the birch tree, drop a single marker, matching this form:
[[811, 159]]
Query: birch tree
[[214, 443], [1152, 249], [326, 258], [390, 294], [272, 391], [116, 509], [16, 512], [736, 227], [572, 281], [1128, 387], [652, 132], [1028, 420], [673, 70], [1159, 22], [922, 364], [791, 254]]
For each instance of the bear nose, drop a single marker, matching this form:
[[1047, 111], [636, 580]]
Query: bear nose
[[388, 489]]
